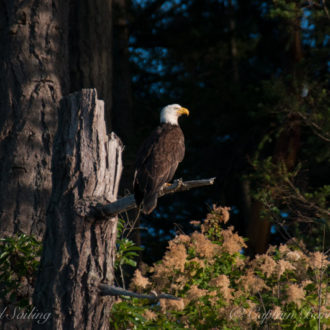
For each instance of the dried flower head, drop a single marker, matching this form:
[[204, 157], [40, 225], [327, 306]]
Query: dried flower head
[[276, 313], [144, 268], [195, 292], [271, 250], [284, 249], [240, 262], [232, 242], [175, 257], [139, 281], [198, 261], [222, 282], [223, 212], [182, 239], [318, 260], [295, 294], [252, 311], [305, 283], [149, 315], [179, 282], [293, 255], [213, 220], [174, 260], [169, 304], [266, 264], [283, 266], [203, 246], [251, 282]]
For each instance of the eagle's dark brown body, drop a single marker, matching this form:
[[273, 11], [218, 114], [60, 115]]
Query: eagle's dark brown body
[[156, 164]]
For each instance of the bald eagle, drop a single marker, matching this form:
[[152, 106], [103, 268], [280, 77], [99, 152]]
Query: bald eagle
[[158, 158]]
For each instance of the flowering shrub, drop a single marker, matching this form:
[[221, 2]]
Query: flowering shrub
[[220, 288]]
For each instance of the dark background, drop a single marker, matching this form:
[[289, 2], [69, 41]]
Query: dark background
[[255, 77]]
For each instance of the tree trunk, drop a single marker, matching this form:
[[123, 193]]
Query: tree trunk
[[233, 43], [33, 72], [122, 92], [48, 48], [90, 47], [122, 107], [286, 149], [78, 252]]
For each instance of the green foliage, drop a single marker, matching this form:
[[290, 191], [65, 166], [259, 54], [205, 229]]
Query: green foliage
[[127, 251], [288, 174], [285, 9], [126, 315], [19, 260], [282, 190]]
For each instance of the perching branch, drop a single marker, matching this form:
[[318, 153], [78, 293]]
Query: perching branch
[[128, 203], [110, 290]]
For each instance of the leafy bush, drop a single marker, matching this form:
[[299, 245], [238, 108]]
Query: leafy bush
[[19, 260], [221, 288], [127, 251]]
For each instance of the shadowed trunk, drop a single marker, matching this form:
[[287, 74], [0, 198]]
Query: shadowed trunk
[[233, 43], [33, 71], [90, 46], [286, 148], [122, 107], [286, 151], [79, 251], [39, 41], [48, 48], [122, 117]]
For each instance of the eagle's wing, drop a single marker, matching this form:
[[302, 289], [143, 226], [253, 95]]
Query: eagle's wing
[[147, 147]]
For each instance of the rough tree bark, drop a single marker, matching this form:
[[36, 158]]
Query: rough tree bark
[[78, 252], [48, 48], [33, 72]]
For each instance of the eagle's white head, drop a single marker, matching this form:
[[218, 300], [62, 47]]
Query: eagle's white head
[[171, 113]]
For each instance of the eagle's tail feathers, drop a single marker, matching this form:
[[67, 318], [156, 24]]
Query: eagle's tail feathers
[[150, 203], [138, 194]]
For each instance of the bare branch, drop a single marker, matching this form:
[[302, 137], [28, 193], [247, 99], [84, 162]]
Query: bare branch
[[315, 127], [299, 197], [128, 203], [109, 290], [325, 8]]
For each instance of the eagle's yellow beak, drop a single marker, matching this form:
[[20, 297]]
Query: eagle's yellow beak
[[183, 111]]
